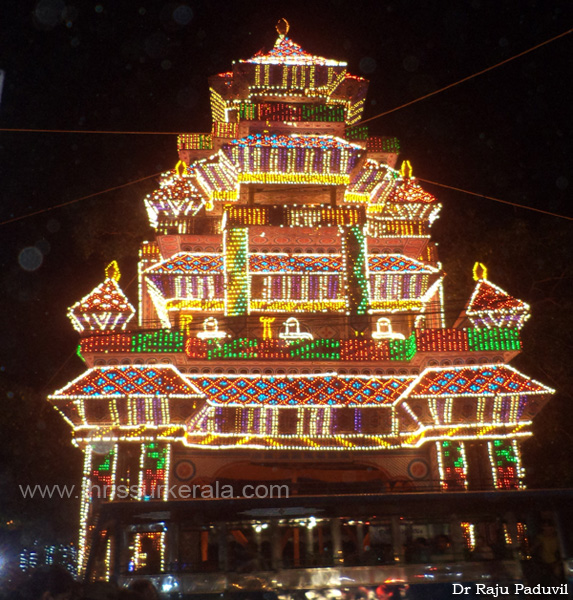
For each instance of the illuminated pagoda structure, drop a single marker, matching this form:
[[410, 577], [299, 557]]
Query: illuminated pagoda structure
[[290, 323]]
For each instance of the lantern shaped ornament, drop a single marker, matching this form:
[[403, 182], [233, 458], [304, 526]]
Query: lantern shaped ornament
[[291, 331], [211, 330], [384, 331]]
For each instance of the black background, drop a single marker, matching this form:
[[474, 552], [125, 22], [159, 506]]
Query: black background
[[143, 66]]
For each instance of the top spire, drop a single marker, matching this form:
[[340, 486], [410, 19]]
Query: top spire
[[287, 52], [112, 271], [282, 28]]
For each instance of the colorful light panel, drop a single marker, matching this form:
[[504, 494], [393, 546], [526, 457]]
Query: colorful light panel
[[303, 390], [132, 380]]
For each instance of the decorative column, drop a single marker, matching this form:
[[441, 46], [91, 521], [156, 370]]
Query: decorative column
[[505, 460], [98, 485], [452, 465], [236, 248], [354, 248], [154, 471]]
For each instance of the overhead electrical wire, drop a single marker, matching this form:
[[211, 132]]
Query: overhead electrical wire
[[89, 131], [124, 185], [490, 68], [62, 204], [103, 132], [539, 210], [451, 85], [382, 114]]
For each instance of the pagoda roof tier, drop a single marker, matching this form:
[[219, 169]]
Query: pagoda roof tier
[[193, 281], [483, 380], [220, 179], [287, 52], [179, 195], [132, 380], [290, 74], [309, 159], [399, 264], [491, 298], [302, 390], [327, 411], [395, 206], [371, 184], [173, 284], [409, 190], [490, 306], [188, 263], [217, 178]]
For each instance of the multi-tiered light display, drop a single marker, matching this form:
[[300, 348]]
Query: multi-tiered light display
[[291, 311]]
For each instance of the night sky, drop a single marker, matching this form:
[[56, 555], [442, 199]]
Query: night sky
[[143, 67]]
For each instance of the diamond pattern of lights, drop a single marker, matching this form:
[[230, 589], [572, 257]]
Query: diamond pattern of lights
[[488, 380], [303, 391], [185, 263], [273, 263], [399, 264], [133, 380]]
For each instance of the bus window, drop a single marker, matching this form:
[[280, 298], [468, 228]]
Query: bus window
[[318, 537], [144, 549], [377, 543], [249, 546], [350, 543], [429, 542], [198, 549], [305, 542]]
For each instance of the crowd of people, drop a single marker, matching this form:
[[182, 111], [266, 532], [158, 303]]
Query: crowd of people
[[55, 583]]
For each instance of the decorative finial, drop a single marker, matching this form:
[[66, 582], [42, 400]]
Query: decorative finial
[[406, 169], [181, 168], [480, 271], [112, 271], [282, 27]]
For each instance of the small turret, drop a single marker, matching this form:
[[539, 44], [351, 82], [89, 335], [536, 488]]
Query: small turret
[[490, 306], [105, 308]]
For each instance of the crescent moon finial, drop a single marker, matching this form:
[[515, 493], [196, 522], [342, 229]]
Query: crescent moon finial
[[479, 271], [282, 27]]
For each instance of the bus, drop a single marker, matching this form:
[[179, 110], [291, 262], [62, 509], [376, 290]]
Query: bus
[[348, 547]]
